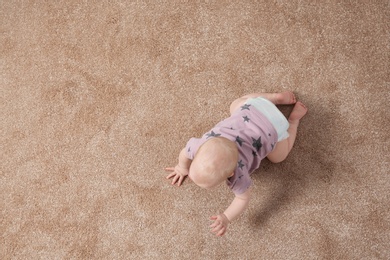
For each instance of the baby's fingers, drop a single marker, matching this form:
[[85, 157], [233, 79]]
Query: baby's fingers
[[221, 232], [175, 179], [217, 228], [215, 224], [170, 175], [180, 180]]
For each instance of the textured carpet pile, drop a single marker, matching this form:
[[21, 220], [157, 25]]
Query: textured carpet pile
[[97, 97]]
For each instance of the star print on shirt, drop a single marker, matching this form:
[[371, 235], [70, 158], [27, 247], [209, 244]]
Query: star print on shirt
[[246, 118], [257, 143], [254, 153], [245, 107], [189, 149], [240, 164], [212, 134], [239, 140]]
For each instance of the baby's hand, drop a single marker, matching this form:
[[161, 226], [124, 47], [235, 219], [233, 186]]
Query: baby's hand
[[220, 224], [177, 173]]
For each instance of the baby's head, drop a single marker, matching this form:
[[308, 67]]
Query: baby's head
[[214, 162]]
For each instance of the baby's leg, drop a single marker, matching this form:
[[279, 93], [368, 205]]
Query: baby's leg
[[283, 148], [282, 98]]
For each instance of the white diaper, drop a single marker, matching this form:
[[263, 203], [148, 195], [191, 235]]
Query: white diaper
[[273, 114]]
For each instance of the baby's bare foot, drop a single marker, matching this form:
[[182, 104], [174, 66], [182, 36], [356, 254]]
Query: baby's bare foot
[[297, 113], [285, 98]]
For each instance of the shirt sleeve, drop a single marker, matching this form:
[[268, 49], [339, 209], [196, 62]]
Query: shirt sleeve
[[192, 147], [240, 182]]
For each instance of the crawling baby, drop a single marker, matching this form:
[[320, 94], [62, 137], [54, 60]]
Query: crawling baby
[[234, 148]]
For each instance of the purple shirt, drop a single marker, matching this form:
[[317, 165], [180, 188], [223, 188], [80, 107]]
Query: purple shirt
[[254, 136]]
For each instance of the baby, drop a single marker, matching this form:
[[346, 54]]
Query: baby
[[234, 148]]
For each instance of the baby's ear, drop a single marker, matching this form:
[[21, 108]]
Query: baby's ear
[[231, 175]]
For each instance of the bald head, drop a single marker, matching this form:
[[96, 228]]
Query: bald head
[[214, 162]]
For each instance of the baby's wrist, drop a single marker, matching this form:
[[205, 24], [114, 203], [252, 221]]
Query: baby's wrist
[[225, 217]]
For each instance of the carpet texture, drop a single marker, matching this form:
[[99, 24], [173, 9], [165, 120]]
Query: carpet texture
[[97, 97]]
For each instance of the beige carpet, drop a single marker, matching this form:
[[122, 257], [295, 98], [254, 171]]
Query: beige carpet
[[97, 97]]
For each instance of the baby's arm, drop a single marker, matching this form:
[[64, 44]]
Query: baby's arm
[[239, 204], [181, 170]]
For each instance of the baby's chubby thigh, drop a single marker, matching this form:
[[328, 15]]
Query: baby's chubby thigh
[[280, 152]]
